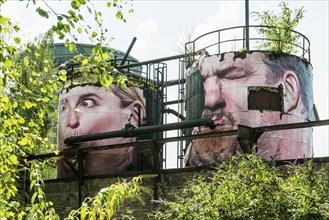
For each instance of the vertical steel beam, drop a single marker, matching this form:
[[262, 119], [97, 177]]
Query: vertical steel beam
[[247, 23]]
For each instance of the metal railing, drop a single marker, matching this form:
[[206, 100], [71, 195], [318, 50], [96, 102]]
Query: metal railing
[[234, 39]]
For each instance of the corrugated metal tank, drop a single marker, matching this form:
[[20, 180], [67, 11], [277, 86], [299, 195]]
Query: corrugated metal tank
[[236, 93], [194, 96], [63, 54]]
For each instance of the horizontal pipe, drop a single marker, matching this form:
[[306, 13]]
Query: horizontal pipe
[[156, 60], [173, 102], [197, 136], [291, 126], [131, 131]]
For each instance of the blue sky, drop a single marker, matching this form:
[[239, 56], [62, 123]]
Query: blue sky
[[160, 27]]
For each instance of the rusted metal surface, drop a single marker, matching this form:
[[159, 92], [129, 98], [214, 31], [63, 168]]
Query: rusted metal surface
[[265, 98]]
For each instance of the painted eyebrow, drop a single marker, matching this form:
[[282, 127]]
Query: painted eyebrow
[[89, 95], [226, 70], [221, 73], [244, 72]]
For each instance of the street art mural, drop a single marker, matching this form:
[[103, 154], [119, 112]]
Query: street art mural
[[226, 80], [91, 109]]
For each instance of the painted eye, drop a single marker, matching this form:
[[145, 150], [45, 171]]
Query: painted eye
[[62, 108], [87, 103]]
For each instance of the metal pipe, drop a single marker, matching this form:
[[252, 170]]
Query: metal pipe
[[131, 131], [172, 111], [290, 126], [247, 23], [156, 60], [128, 51]]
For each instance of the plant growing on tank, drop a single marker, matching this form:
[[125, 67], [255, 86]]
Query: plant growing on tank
[[279, 35]]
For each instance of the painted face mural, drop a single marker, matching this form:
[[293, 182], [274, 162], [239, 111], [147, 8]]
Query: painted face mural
[[226, 79], [92, 109]]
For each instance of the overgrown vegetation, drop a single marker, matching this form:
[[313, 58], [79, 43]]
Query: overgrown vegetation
[[108, 201], [280, 35], [29, 84], [247, 187]]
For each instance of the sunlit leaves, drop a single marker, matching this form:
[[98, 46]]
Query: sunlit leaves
[[17, 40], [62, 75], [281, 38], [8, 63], [26, 61], [84, 62], [72, 47], [247, 187], [24, 141], [28, 104], [109, 200], [75, 4], [29, 84], [40, 208], [13, 159]]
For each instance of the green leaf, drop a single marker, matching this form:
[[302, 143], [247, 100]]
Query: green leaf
[[13, 159], [42, 12], [94, 34], [5, 99], [9, 148], [83, 212], [28, 104], [43, 90], [24, 141], [8, 62], [72, 47], [33, 197], [84, 62], [109, 4], [26, 61], [62, 75], [17, 40], [79, 30], [119, 15], [75, 4]]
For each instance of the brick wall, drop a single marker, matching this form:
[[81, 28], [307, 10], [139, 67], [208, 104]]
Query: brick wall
[[65, 193]]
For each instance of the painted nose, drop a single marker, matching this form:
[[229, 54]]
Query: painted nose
[[73, 120], [214, 98]]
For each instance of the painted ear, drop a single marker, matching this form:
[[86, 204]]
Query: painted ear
[[291, 91], [137, 113]]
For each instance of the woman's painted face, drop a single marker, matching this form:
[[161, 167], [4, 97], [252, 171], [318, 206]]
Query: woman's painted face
[[89, 110]]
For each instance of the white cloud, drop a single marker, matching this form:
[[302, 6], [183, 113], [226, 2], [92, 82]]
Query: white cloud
[[228, 15], [144, 31], [30, 23]]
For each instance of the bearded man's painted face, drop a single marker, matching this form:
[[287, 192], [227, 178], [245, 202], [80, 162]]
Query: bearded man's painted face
[[226, 83]]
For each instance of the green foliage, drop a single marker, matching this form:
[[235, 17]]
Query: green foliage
[[29, 84], [108, 201], [249, 188], [40, 208], [280, 36]]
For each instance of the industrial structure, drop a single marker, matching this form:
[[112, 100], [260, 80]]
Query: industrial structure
[[174, 107]]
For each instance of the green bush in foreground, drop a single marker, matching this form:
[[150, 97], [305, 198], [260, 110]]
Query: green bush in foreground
[[249, 188]]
